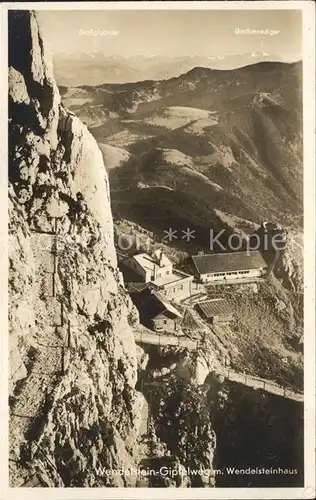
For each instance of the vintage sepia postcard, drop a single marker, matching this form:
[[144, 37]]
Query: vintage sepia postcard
[[158, 258]]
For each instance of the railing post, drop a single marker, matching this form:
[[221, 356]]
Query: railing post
[[61, 314], [63, 360], [55, 243], [69, 334], [55, 258]]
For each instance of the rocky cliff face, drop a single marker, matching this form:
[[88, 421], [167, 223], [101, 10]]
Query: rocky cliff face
[[73, 356], [289, 267], [256, 429]]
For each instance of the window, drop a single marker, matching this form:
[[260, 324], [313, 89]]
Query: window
[[181, 287]]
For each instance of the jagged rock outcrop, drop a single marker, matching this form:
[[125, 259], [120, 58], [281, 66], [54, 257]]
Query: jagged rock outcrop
[[73, 355], [289, 267]]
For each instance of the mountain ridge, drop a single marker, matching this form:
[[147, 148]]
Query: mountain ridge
[[241, 129], [139, 68]]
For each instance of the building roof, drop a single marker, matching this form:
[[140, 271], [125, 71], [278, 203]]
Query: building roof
[[149, 263], [136, 286], [214, 307], [232, 261], [153, 305], [168, 307], [161, 259], [175, 276]]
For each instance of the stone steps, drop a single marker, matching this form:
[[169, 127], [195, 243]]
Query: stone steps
[[28, 408], [51, 336], [48, 341], [198, 319], [52, 311], [195, 298], [43, 248], [48, 364]]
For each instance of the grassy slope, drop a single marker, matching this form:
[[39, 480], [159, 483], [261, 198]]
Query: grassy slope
[[264, 338], [259, 109], [158, 208]]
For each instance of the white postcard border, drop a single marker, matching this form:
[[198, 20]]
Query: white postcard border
[[308, 13]]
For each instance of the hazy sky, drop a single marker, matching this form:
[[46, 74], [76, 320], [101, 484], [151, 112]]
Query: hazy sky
[[172, 32]]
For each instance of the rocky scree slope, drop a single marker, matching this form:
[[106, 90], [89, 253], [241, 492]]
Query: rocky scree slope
[[73, 356]]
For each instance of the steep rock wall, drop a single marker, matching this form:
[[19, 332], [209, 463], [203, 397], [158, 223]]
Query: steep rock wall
[[73, 355], [289, 268], [256, 430]]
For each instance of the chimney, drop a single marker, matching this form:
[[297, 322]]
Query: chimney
[[160, 258], [159, 255], [155, 271]]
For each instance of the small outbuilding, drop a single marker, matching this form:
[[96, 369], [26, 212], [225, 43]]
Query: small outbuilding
[[215, 311], [156, 312]]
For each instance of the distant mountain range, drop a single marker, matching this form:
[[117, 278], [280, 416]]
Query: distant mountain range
[[228, 141], [95, 68]]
